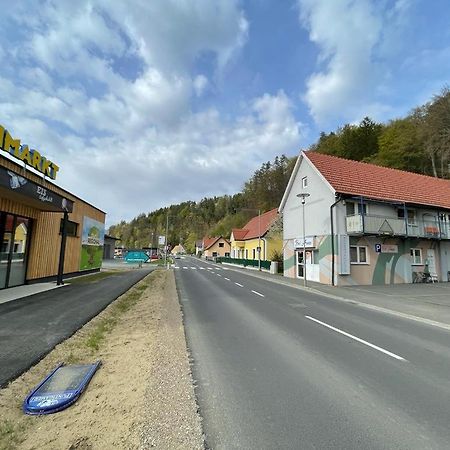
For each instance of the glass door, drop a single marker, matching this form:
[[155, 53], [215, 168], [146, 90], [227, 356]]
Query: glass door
[[6, 221], [14, 238], [300, 264], [19, 251]]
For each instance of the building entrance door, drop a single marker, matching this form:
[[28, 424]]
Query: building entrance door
[[14, 238], [300, 264]]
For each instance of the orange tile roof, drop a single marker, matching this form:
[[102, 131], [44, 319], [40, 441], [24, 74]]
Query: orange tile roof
[[210, 241], [239, 234], [382, 183], [253, 228]]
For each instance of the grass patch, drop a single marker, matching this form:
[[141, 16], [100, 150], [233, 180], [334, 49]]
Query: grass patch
[[107, 324], [92, 278], [10, 434]]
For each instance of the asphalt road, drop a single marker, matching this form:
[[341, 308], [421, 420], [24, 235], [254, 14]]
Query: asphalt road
[[279, 368], [32, 326]]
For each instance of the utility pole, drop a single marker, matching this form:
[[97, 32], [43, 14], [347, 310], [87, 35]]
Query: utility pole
[[259, 239], [165, 239]]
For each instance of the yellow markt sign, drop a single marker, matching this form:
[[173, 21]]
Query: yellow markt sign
[[30, 156]]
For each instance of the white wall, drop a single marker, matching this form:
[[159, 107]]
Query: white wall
[[317, 206]]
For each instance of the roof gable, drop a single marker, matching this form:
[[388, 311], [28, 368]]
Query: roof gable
[[210, 241], [301, 159], [255, 227], [381, 183]]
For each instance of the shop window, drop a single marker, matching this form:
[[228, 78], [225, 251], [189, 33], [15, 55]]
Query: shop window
[[416, 256], [72, 228], [358, 254]]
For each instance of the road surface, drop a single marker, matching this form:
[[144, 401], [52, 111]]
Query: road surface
[[281, 368]]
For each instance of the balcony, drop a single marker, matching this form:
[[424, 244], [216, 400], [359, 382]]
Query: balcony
[[390, 226]]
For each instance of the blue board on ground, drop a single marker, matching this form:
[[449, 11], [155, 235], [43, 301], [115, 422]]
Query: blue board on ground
[[133, 257], [59, 389]]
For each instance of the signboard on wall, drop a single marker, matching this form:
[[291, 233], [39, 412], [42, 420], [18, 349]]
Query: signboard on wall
[[92, 241], [386, 248], [30, 157], [344, 254], [49, 200], [309, 242]]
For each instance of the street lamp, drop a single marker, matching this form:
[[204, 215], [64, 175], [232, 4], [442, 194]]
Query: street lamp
[[303, 197]]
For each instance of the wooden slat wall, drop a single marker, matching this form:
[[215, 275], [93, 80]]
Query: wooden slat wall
[[17, 208], [46, 240]]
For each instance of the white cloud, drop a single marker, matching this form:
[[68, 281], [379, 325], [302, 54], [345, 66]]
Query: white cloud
[[203, 155], [124, 133], [352, 38]]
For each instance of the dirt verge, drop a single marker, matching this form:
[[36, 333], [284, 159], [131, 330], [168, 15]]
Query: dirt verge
[[141, 397]]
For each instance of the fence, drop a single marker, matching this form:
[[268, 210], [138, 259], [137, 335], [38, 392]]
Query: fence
[[244, 262]]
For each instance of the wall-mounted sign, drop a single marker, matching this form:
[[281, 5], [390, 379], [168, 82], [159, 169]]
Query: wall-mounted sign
[[30, 156], [49, 200], [344, 254], [386, 248], [309, 242], [92, 241]]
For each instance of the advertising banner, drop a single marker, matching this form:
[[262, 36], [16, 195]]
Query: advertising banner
[[43, 197], [92, 241]]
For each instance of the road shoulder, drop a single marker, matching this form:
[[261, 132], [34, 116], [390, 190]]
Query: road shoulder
[[141, 397]]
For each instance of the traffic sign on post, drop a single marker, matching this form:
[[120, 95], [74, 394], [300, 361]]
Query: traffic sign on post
[[136, 257]]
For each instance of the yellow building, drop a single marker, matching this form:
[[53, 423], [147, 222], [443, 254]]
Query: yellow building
[[256, 233]]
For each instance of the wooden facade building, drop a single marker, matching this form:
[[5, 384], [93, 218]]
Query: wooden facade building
[[32, 211]]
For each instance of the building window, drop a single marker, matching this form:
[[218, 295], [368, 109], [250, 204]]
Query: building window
[[254, 253], [358, 254], [221, 244], [214, 254], [246, 253], [351, 208], [416, 256], [304, 182], [227, 254], [411, 215], [72, 228]]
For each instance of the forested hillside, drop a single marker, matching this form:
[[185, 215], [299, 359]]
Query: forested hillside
[[419, 142], [190, 221]]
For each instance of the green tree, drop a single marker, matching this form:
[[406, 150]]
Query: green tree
[[400, 147]]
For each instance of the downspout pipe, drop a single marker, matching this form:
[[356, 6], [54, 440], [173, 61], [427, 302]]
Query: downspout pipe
[[338, 199]]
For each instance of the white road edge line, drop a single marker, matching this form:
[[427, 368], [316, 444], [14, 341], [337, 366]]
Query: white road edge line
[[238, 284], [382, 350], [257, 293]]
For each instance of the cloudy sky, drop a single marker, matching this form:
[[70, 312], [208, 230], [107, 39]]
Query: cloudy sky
[[144, 103]]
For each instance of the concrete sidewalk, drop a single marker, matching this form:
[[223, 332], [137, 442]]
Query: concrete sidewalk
[[429, 303]]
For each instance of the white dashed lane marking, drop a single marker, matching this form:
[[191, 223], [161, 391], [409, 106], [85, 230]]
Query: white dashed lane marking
[[238, 284], [227, 279], [258, 293], [362, 341]]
